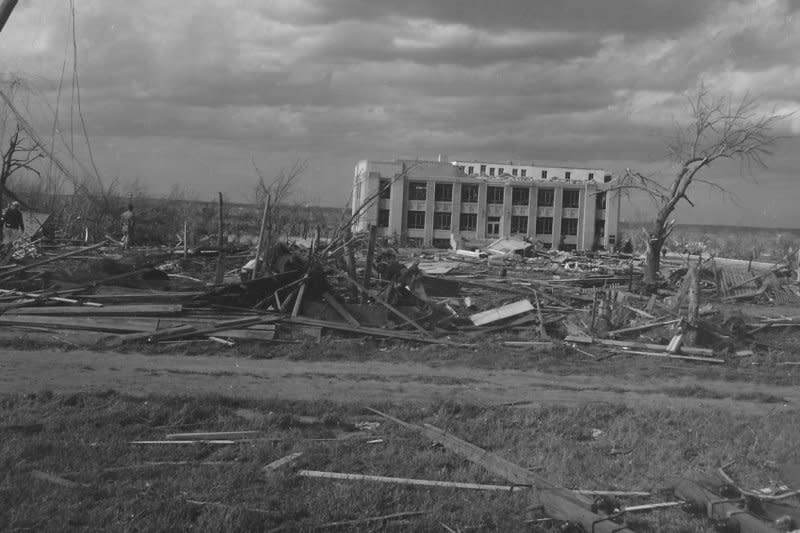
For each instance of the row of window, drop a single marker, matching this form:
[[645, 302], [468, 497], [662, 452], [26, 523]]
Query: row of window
[[522, 172], [443, 192], [469, 222]]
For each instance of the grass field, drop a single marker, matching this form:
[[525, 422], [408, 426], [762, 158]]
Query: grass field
[[118, 486]]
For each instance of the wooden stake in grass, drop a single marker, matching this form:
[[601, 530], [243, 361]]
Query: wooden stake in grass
[[220, 259]]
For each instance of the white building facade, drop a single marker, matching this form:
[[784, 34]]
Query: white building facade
[[425, 202]]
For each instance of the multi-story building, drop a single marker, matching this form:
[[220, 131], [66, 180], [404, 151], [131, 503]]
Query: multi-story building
[[428, 201]]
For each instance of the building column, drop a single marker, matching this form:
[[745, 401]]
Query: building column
[[533, 199], [430, 206], [505, 219], [480, 230], [588, 214], [558, 202], [612, 218], [397, 206], [455, 210]]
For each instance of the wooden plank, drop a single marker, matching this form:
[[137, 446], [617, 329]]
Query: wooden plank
[[211, 435], [110, 310], [643, 327], [632, 344], [283, 461], [340, 309], [558, 502], [681, 357], [375, 332], [409, 481], [499, 313], [56, 480], [395, 518], [391, 308]]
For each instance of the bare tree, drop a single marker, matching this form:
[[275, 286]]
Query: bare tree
[[19, 153], [721, 128]]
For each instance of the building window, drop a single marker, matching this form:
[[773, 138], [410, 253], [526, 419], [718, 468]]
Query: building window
[[544, 174], [483, 170], [520, 196], [571, 199], [443, 192], [468, 222], [417, 190], [591, 176], [519, 224], [523, 172], [469, 194], [501, 171], [494, 195], [600, 228], [441, 220], [514, 172], [545, 197], [569, 247], [569, 226], [544, 225], [471, 170], [383, 218], [385, 189], [441, 243], [492, 225], [416, 220], [567, 175], [606, 178], [600, 200], [491, 171]]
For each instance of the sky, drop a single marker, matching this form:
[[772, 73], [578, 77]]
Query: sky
[[196, 95]]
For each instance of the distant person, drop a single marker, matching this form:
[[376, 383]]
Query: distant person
[[128, 222], [13, 225]]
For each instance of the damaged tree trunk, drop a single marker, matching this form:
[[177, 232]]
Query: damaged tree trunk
[[693, 297], [257, 263]]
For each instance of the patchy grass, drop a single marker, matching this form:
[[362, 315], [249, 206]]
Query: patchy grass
[[85, 438]]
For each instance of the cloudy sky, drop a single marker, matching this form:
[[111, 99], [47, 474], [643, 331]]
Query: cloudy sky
[[192, 93]]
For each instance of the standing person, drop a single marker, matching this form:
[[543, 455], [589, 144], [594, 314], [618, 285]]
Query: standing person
[[13, 224], [128, 222]]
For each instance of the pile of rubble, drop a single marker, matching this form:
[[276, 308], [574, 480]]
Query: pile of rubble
[[353, 285]]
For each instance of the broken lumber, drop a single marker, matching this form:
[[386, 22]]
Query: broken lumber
[[340, 309], [721, 509], [558, 502], [283, 461], [409, 481], [24, 268], [376, 332], [390, 307], [643, 327], [211, 435], [632, 344], [713, 360], [499, 313], [109, 310], [371, 519], [56, 480]]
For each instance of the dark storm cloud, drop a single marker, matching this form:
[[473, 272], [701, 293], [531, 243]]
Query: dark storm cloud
[[626, 16]]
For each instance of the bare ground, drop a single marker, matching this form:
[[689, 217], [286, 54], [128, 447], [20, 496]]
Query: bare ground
[[366, 381]]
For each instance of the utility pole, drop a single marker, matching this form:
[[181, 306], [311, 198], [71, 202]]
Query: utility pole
[[6, 7]]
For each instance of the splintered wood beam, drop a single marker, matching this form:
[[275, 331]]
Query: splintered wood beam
[[283, 461], [409, 481], [391, 308], [558, 502], [340, 309]]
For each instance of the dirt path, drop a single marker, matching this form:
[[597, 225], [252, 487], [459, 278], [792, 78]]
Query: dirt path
[[136, 374]]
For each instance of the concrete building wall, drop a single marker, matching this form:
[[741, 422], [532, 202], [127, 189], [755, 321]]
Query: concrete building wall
[[390, 213]]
